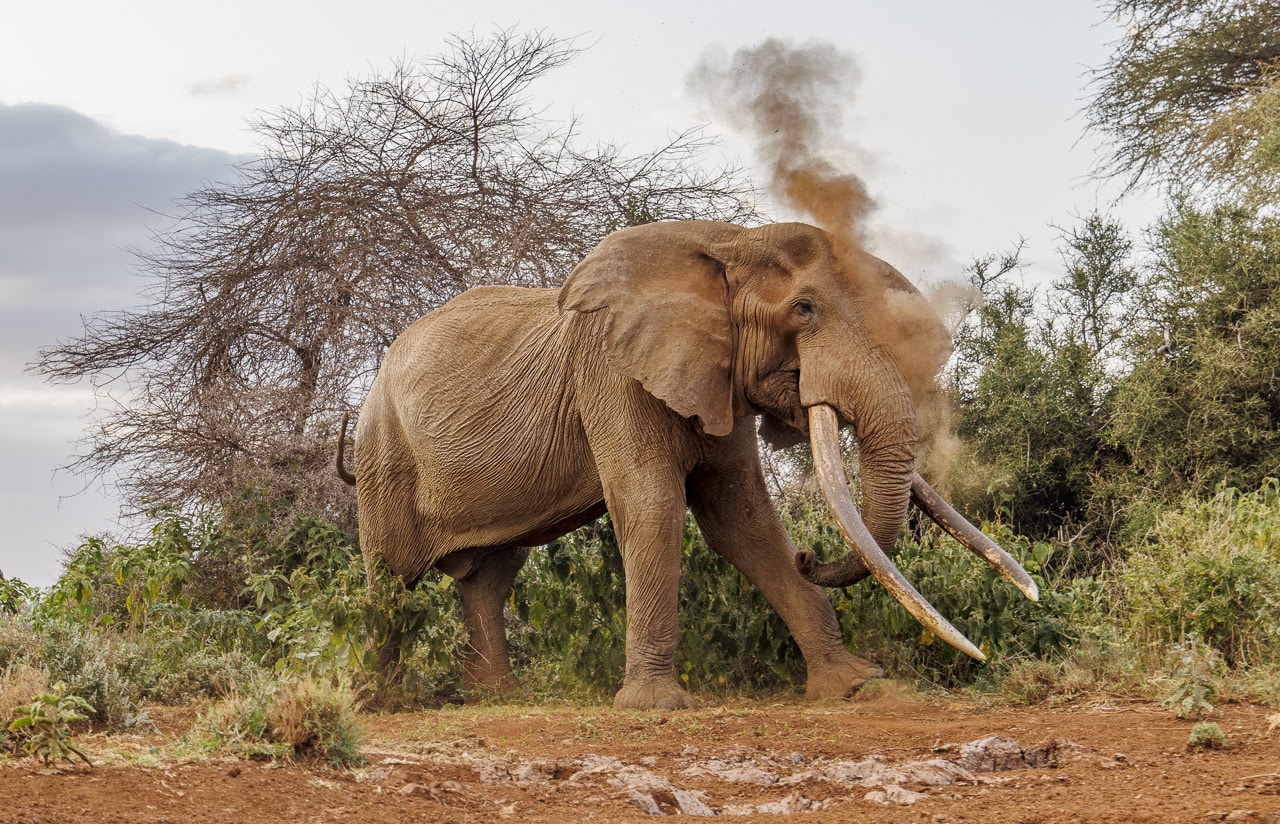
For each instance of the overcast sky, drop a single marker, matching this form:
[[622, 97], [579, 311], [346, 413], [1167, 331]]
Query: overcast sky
[[967, 112]]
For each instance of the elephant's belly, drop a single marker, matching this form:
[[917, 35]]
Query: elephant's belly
[[521, 485]]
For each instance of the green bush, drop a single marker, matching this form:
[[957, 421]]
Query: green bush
[[1211, 569], [1195, 677], [321, 617], [1207, 737], [570, 626], [43, 727]]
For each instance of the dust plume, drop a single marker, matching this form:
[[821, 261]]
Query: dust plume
[[791, 102]]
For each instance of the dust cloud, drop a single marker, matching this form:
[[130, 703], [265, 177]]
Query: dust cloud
[[791, 102]]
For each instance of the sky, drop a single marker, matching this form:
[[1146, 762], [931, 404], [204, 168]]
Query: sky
[[967, 116]]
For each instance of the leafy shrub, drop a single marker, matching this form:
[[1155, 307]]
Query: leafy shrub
[[568, 613], [1207, 737], [15, 596], [570, 618], [17, 640], [106, 669], [1195, 679], [569, 627], [989, 610], [1211, 569], [43, 727], [321, 617]]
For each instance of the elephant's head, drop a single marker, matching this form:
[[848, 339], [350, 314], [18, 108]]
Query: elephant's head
[[722, 322]]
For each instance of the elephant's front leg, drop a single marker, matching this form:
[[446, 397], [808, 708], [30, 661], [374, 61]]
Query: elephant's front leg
[[729, 498], [648, 518]]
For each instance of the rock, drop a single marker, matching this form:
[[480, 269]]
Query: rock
[[793, 803], [870, 772], [644, 801], [893, 794], [493, 773], [1250, 817], [737, 775], [690, 803], [991, 754], [533, 771]]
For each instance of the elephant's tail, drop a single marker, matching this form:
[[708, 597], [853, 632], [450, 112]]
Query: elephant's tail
[[345, 475]]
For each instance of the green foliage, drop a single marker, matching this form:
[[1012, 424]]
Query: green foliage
[[43, 728], [570, 628], [1207, 736], [1195, 679], [1212, 570], [1033, 388], [1189, 96], [320, 617], [568, 606], [982, 605], [1201, 406], [15, 596], [109, 670], [730, 638]]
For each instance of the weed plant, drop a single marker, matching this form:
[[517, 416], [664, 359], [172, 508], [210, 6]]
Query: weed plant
[[43, 727], [305, 718]]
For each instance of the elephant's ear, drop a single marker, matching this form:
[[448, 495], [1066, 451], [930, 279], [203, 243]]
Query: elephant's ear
[[665, 300]]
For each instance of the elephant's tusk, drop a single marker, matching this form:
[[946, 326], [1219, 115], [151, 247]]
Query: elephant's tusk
[[972, 538], [823, 429]]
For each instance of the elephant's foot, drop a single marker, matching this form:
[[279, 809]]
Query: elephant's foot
[[834, 680], [660, 694]]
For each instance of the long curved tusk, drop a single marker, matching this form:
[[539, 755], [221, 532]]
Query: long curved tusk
[[972, 538], [823, 429]]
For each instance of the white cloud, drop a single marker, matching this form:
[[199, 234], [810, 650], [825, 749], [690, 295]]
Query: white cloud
[[231, 84], [74, 196]]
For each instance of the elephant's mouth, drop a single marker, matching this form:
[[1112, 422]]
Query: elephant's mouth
[[823, 438], [778, 394]]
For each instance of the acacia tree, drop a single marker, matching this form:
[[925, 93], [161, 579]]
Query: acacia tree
[[1033, 378], [1201, 405], [1191, 96], [274, 296]]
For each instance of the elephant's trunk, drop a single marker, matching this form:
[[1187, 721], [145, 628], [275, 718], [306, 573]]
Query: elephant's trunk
[[876, 399], [866, 554]]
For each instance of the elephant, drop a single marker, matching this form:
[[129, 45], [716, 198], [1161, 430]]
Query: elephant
[[510, 416]]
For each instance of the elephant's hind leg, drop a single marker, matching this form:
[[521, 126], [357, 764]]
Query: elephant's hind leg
[[484, 584]]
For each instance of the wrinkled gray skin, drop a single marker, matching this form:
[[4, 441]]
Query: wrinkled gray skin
[[511, 416]]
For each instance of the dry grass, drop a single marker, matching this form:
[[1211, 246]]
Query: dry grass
[[302, 718], [20, 683], [315, 719]]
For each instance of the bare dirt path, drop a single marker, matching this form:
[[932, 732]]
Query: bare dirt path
[[891, 759]]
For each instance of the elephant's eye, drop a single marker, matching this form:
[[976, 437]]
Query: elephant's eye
[[804, 308]]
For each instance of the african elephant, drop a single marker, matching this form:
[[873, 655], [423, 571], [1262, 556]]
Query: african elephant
[[511, 416]]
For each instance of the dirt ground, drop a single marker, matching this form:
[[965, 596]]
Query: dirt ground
[[891, 758]]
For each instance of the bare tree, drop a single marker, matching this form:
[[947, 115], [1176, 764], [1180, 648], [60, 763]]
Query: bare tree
[[274, 296]]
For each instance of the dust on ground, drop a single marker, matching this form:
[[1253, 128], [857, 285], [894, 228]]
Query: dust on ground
[[894, 758]]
